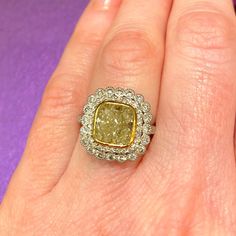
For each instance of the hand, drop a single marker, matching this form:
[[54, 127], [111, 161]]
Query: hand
[[182, 57]]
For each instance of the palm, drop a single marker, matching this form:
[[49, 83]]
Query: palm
[[185, 183]]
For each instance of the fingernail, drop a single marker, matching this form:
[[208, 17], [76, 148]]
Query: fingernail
[[106, 4]]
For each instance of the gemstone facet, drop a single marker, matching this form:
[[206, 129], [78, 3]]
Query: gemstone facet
[[114, 124]]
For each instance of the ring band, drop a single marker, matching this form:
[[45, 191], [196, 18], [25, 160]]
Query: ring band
[[116, 124]]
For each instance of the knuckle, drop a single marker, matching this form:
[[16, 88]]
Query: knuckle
[[127, 52], [204, 35], [60, 96], [198, 117], [88, 39]]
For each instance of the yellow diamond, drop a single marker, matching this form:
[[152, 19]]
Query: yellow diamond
[[114, 124]]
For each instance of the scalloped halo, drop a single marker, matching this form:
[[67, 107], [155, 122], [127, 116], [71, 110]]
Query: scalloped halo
[[144, 128]]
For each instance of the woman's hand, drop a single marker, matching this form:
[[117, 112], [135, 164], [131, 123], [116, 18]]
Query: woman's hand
[[181, 56]]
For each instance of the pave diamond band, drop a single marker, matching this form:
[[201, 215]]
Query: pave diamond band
[[116, 124]]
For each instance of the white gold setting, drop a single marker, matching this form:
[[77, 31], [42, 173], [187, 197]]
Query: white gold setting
[[143, 128]]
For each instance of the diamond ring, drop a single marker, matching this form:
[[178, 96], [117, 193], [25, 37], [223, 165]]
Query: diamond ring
[[116, 124]]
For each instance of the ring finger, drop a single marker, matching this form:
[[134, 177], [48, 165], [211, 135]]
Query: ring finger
[[130, 57]]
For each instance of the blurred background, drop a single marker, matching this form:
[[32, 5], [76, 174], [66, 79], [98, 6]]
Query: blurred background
[[33, 35]]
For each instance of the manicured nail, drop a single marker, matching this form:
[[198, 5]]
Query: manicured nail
[[106, 4]]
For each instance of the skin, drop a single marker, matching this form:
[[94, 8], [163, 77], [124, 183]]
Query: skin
[[181, 56]]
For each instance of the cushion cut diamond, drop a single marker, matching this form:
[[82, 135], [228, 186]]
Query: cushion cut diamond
[[114, 124]]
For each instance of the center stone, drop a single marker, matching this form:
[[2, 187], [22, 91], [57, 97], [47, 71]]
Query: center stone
[[114, 124]]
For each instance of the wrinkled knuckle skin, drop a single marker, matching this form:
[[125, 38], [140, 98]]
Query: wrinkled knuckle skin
[[127, 53], [60, 97], [204, 35]]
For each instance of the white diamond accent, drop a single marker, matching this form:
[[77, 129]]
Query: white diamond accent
[[144, 128]]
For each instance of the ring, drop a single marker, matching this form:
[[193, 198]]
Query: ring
[[116, 124]]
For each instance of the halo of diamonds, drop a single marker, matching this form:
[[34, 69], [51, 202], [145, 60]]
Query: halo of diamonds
[[143, 129]]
